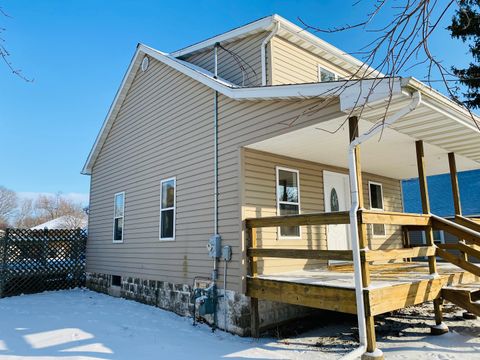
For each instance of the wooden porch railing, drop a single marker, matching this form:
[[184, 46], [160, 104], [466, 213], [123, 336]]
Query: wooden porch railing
[[333, 218], [367, 256]]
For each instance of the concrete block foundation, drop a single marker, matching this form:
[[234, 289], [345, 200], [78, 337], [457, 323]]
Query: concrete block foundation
[[233, 309]]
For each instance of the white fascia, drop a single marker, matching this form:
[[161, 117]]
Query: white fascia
[[259, 25], [127, 79], [442, 104], [347, 89]]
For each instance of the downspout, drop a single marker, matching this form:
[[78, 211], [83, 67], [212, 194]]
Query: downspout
[[215, 146], [215, 185], [264, 52], [352, 165]]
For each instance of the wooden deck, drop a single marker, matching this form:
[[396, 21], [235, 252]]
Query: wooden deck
[[393, 286]]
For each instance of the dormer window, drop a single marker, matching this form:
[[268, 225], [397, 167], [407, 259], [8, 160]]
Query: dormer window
[[325, 75]]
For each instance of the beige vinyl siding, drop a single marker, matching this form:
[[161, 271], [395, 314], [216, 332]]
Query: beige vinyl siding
[[260, 201], [392, 200], [248, 49], [165, 129], [292, 64]]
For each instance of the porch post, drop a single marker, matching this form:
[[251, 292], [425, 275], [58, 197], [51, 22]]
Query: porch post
[[440, 327], [254, 315], [374, 353], [455, 192], [458, 210]]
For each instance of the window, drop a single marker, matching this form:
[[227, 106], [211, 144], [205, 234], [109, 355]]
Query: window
[[325, 75], [376, 203], [438, 237], [288, 199], [376, 196], [118, 216], [116, 280], [167, 209]]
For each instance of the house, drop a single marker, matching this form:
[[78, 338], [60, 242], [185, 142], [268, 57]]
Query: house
[[250, 142], [63, 222]]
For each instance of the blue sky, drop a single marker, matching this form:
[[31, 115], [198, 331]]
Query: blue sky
[[78, 51]]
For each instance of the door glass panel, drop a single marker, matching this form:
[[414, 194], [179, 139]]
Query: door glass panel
[[334, 205]]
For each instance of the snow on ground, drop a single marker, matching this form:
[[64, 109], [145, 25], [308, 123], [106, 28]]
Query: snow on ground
[[80, 324]]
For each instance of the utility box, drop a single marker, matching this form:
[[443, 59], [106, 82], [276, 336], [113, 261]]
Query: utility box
[[227, 253], [214, 246]]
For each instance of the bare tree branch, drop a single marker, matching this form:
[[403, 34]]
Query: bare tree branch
[[5, 54]]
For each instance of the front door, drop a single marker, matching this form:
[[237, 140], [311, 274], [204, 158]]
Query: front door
[[336, 189]]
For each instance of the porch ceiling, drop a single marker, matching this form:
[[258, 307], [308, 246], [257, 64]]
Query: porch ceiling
[[391, 154]]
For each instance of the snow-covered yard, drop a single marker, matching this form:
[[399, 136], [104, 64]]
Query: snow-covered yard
[[80, 324]]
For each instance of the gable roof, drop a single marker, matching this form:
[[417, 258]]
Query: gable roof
[[318, 90], [289, 31], [355, 92]]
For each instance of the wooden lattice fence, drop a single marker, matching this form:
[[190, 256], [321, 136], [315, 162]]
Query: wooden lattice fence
[[38, 260]]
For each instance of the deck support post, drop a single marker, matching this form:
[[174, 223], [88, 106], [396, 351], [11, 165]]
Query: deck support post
[[455, 192], [373, 353], [440, 327], [458, 210], [254, 316]]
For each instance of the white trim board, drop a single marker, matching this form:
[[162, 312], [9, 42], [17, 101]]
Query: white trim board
[[298, 203], [115, 217], [174, 208]]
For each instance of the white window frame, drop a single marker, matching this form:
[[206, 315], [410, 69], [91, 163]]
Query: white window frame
[[442, 237], [174, 208], [320, 67], [377, 209], [115, 217], [279, 233]]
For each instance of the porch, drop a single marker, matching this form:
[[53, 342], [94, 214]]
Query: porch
[[391, 278], [387, 286]]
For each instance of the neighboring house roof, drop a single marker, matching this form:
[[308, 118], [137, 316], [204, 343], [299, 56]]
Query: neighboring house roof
[[440, 194], [354, 93], [62, 222]]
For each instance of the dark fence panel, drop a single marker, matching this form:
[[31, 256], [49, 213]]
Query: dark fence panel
[[37, 260]]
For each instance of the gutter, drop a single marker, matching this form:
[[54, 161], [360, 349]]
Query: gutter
[[452, 110], [362, 328], [264, 51]]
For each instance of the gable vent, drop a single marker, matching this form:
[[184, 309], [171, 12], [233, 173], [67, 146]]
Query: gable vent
[[145, 63]]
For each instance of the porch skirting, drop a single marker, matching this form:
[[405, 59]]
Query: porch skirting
[[176, 298]]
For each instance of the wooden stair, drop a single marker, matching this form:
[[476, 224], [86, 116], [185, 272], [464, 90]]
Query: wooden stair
[[467, 296]]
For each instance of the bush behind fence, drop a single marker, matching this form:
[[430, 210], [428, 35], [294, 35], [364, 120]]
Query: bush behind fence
[[37, 260]]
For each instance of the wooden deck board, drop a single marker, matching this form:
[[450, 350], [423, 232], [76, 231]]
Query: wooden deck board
[[393, 286]]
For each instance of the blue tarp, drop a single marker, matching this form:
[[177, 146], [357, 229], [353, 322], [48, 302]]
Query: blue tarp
[[440, 194]]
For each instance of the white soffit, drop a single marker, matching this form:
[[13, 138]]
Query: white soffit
[[391, 155], [435, 124]]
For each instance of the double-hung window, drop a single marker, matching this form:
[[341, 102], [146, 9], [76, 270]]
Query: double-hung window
[[376, 203], [288, 200], [118, 216], [167, 209]]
